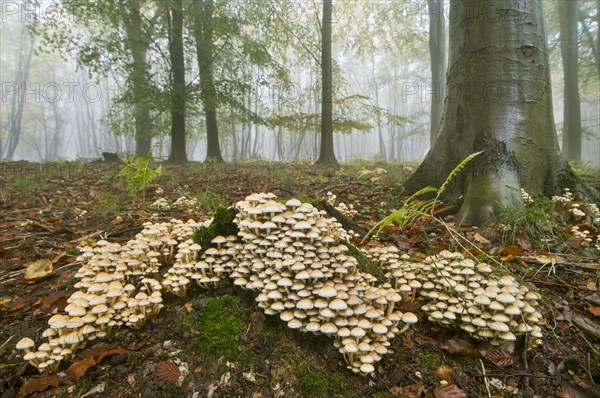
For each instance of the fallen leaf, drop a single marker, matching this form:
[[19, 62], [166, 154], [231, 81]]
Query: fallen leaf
[[117, 220], [460, 347], [96, 350], [37, 384], [114, 351], [511, 250], [595, 310], [478, 238], [38, 270], [167, 371], [498, 357], [445, 372], [78, 369], [412, 391], [448, 391]]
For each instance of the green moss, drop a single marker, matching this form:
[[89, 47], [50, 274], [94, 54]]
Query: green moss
[[364, 264], [222, 225], [219, 328], [430, 361], [316, 383]]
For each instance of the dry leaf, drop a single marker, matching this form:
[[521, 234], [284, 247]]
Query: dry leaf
[[167, 371], [37, 384], [78, 369], [412, 391], [498, 357], [460, 347], [478, 238], [595, 310], [448, 391], [38, 270], [96, 350], [511, 250], [445, 372]]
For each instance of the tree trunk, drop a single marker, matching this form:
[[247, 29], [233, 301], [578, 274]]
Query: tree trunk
[[498, 101], [19, 96], [178, 151], [203, 32], [572, 110], [139, 43], [437, 52], [327, 154]]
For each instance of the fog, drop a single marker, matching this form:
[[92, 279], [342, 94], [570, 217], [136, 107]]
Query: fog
[[70, 99]]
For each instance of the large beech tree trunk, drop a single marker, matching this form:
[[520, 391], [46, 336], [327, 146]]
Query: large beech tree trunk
[[569, 42], [437, 53], [203, 32], [326, 154], [498, 101]]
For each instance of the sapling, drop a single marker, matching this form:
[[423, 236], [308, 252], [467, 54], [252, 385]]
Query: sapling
[[138, 173]]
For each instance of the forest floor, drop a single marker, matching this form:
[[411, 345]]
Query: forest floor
[[48, 210]]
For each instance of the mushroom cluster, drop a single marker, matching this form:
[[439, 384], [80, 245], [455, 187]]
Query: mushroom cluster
[[185, 204], [117, 287], [347, 210], [292, 256], [460, 293]]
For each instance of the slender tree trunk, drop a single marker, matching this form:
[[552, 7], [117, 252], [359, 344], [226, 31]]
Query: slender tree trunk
[[327, 153], [139, 43], [203, 32], [178, 151], [498, 101], [19, 97], [572, 108], [437, 52]]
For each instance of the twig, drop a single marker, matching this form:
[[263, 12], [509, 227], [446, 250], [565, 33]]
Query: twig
[[485, 380], [11, 337], [587, 369]]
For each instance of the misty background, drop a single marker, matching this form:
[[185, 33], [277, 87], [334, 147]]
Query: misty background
[[64, 85]]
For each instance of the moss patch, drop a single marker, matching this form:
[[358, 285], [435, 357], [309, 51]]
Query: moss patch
[[315, 383], [218, 329], [222, 225]]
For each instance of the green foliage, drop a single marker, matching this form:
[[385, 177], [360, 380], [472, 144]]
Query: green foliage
[[535, 223], [413, 209], [222, 224], [138, 173], [219, 329]]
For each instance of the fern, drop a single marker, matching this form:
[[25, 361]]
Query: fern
[[412, 209], [456, 171]]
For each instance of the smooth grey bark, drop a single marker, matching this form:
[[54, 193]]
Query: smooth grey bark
[[327, 153], [178, 153], [569, 42], [437, 53], [203, 32], [498, 101], [138, 43]]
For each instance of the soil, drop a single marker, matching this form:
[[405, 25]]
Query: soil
[[48, 210]]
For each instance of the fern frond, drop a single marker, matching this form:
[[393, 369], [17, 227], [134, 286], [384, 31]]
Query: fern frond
[[456, 171]]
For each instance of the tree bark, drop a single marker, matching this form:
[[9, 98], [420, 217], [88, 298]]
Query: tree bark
[[437, 52], [178, 151], [498, 101], [572, 108], [327, 153], [203, 32], [139, 43]]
